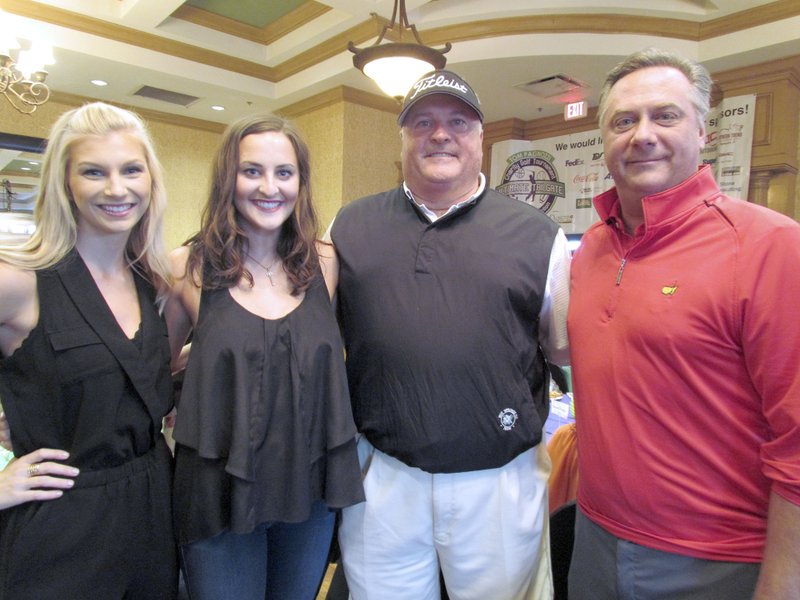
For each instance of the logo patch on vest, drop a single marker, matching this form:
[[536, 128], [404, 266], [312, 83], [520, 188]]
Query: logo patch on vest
[[508, 418]]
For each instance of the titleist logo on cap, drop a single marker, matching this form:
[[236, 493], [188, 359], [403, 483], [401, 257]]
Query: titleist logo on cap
[[440, 82], [436, 81]]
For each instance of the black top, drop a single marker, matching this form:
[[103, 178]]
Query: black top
[[440, 322], [78, 383], [264, 421]]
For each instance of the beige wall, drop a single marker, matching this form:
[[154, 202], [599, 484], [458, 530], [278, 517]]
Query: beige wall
[[36, 125], [323, 130], [372, 157], [185, 155], [354, 144]]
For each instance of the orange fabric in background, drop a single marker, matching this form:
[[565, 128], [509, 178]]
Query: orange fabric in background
[[563, 451]]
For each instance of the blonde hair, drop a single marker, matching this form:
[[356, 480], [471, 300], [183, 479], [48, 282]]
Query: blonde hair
[[54, 213]]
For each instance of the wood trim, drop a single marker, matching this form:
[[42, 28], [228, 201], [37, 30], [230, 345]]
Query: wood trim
[[127, 35], [331, 47], [180, 120], [607, 23], [776, 85], [337, 95], [273, 31], [507, 129], [611, 23], [303, 14], [765, 103], [785, 68], [370, 100], [314, 103], [538, 129], [761, 15], [204, 18], [473, 30], [147, 114]]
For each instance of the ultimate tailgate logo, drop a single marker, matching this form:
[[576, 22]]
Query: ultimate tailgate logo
[[531, 177]]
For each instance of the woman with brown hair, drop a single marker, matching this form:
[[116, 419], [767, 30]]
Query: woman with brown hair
[[265, 437]]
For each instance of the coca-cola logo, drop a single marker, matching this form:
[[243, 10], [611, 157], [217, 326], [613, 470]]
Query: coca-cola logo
[[587, 178]]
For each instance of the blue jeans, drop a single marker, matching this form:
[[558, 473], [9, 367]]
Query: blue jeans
[[277, 561]]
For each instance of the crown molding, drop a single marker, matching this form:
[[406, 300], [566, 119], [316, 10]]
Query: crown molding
[[338, 95], [147, 114], [746, 19], [369, 29], [134, 37], [303, 14]]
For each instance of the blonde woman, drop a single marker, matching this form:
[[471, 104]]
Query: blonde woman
[[85, 370]]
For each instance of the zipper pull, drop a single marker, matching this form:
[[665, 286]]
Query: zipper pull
[[621, 268]]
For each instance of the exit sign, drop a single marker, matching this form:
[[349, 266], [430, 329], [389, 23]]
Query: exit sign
[[574, 110]]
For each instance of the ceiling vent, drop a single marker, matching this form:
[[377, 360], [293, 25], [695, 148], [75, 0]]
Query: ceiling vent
[[554, 85], [155, 93]]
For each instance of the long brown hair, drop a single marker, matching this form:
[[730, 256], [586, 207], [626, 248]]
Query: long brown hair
[[218, 250]]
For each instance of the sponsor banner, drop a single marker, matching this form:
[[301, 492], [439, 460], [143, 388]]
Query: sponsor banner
[[558, 175], [729, 143], [561, 175]]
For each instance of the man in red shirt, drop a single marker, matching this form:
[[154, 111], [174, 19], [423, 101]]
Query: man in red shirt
[[685, 362]]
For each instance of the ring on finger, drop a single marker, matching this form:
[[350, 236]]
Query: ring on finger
[[33, 470]]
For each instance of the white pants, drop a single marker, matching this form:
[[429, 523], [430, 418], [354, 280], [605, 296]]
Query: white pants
[[486, 530]]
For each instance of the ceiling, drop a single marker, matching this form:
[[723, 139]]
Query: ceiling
[[251, 55]]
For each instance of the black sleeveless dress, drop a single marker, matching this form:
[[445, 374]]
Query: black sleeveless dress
[[79, 384], [264, 423]]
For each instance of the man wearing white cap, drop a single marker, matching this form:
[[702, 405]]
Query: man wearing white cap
[[452, 297]]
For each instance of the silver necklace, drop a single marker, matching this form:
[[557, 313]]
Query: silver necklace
[[267, 269]]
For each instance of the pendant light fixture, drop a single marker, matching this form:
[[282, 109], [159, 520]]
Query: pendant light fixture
[[395, 66]]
